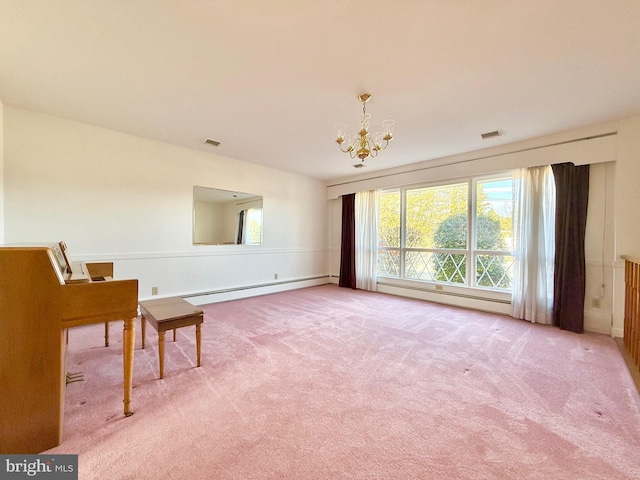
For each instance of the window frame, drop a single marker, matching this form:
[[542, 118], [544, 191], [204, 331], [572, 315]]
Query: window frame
[[470, 286], [252, 213]]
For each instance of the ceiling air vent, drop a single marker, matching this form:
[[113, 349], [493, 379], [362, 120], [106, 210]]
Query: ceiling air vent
[[495, 133], [358, 165], [212, 142]]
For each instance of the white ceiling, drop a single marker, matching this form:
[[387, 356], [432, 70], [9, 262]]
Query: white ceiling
[[270, 79]]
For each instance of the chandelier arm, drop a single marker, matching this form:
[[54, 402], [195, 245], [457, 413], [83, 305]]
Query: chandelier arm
[[343, 150], [370, 145]]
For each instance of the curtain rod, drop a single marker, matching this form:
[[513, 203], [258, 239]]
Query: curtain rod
[[592, 137]]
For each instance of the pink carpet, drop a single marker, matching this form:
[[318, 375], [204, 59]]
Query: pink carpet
[[330, 383]]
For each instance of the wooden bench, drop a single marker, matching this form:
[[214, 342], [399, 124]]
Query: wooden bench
[[169, 314]]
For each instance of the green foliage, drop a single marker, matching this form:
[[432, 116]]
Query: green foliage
[[427, 208], [255, 232], [389, 219], [452, 233], [437, 217], [389, 233], [491, 272]]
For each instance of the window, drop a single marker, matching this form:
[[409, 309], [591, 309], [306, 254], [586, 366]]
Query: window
[[253, 226], [389, 234], [455, 233]]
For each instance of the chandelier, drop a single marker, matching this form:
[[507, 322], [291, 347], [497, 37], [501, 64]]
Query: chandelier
[[362, 145]]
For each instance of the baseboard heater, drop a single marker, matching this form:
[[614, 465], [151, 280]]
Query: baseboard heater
[[251, 287], [443, 292], [439, 292]]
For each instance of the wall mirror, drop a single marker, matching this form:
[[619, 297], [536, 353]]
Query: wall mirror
[[223, 217]]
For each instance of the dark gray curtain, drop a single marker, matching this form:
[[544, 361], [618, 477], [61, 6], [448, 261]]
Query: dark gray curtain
[[572, 195], [348, 244], [239, 239]]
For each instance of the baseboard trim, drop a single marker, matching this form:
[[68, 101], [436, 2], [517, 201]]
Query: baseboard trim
[[617, 332], [236, 293], [597, 322]]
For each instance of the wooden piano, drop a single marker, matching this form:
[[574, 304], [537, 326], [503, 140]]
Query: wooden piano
[[41, 295]]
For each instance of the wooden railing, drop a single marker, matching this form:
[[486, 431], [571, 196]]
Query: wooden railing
[[632, 307]]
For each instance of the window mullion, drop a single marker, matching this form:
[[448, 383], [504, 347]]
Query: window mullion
[[471, 234], [403, 231]]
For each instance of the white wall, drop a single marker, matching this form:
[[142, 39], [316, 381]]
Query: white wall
[[1, 173], [627, 210], [208, 223], [113, 196], [600, 248]]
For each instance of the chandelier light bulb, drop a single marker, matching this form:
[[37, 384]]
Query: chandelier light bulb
[[378, 137], [388, 125], [342, 132]]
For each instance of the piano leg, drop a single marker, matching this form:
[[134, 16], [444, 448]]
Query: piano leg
[[128, 342]]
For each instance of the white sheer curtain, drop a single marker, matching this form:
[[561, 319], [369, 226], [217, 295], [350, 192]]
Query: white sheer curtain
[[534, 227], [366, 239]]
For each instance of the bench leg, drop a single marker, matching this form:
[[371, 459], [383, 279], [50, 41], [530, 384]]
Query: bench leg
[[161, 352], [198, 341], [128, 341], [106, 334], [143, 324]]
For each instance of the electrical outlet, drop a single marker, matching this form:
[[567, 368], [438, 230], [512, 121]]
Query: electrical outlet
[[154, 290], [275, 276], [595, 302]]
